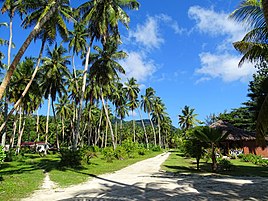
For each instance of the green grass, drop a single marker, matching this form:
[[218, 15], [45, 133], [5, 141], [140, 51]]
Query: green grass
[[20, 179], [176, 163], [71, 176]]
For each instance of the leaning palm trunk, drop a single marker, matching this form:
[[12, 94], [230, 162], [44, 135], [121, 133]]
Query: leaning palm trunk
[[159, 131], [7, 91], [12, 139], [24, 47], [77, 128], [26, 88], [133, 123], [48, 112], [153, 129], [108, 119], [55, 120], [144, 129], [21, 129]]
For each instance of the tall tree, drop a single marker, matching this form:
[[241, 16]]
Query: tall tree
[[51, 7], [133, 90], [147, 104], [105, 70], [101, 18], [254, 46], [187, 119], [56, 74]]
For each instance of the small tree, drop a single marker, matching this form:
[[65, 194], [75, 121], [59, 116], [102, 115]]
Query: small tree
[[193, 146], [211, 136]]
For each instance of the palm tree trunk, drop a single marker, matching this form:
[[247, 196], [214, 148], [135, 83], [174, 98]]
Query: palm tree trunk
[[265, 10], [108, 119], [37, 126], [77, 130], [106, 134], [12, 139], [121, 126], [27, 86], [213, 157], [48, 111], [55, 120], [3, 142], [144, 129], [99, 128], [159, 131], [24, 47], [133, 123], [20, 133], [153, 129]]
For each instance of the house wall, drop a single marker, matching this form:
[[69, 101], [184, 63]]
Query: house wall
[[250, 147]]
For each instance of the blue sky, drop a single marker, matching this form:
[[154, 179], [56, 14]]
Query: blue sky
[[183, 49]]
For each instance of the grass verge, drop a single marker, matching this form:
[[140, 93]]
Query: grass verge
[[19, 179], [177, 163]]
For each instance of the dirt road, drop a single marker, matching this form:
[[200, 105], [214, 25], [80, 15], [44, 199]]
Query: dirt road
[[145, 181]]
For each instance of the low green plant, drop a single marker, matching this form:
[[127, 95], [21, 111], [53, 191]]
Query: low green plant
[[224, 164], [108, 154], [120, 153], [70, 158], [2, 154]]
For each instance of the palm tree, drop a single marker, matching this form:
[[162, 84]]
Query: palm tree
[[55, 73], [46, 34], [101, 18], [212, 136], [188, 119], [132, 89], [147, 104], [104, 71], [254, 46], [51, 7], [63, 110], [158, 114]]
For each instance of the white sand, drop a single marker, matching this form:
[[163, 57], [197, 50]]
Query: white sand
[[145, 181]]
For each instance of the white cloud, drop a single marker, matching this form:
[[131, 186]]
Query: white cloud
[[136, 65], [225, 67], [216, 24], [148, 34]]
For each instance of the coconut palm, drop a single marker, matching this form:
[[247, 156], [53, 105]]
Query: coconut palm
[[254, 46], [56, 74], [104, 71], [188, 119], [51, 7], [101, 18], [132, 89], [147, 104], [158, 115]]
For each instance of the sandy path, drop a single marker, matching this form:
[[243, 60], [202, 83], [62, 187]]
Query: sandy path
[[144, 181]]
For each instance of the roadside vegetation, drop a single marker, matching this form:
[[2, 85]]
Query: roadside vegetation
[[178, 163], [24, 174]]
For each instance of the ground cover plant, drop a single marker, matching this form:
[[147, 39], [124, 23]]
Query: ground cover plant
[[24, 174], [178, 164]]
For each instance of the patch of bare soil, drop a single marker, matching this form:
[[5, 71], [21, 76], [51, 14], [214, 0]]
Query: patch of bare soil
[[145, 181]]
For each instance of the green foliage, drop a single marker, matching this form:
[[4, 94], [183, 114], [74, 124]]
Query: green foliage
[[257, 160], [120, 153], [155, 148], [131, 148], [224, 164], [2, 154], [108, 153], [70, 158]]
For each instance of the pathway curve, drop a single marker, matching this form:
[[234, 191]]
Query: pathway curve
[[144, 181]]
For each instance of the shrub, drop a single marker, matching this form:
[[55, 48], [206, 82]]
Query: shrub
[[156, 148], [2, 154], [131, 148], [70, 158], [120, 153], [108, 153], [224, 164]]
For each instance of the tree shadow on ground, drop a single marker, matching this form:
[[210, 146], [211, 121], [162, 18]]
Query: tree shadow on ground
[[187, 187]]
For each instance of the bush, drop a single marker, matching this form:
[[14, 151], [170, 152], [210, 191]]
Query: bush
[[224, 164], [2, 154], [108, 153], [156, 148], [257, 160], [120, 153], [131, 148], [70, 158]]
